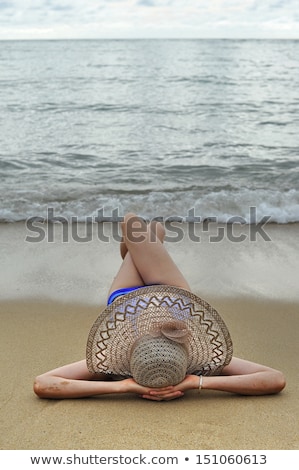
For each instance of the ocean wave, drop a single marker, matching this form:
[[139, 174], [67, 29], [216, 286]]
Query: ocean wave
[[155, 130], [224, 206]]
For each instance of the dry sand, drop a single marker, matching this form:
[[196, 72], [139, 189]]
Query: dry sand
[[52, 293]]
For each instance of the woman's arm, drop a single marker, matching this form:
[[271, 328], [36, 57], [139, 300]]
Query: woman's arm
[[246, 378], [71, 381], [75, 381], [240, 377]]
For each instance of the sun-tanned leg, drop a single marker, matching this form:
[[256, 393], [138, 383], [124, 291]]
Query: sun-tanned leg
[[128, 275], [157, 230], [149, 255], [145, 259]]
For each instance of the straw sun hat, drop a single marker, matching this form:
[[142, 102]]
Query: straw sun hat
[[157, 335]]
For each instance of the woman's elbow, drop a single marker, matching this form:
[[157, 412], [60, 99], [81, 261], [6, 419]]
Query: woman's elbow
[[41, 387], [276, 383], [279, 382]]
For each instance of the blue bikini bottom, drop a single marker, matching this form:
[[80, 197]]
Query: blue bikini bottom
[[119, 292]]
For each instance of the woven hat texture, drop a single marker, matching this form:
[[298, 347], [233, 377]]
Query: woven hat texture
[[158, 361], [113, 341]]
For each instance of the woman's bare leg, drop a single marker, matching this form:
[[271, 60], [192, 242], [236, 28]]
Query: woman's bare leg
[[157, 230], [149, 255], [128, 275]]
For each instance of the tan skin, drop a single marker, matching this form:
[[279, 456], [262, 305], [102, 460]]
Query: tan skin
[[146, 261]]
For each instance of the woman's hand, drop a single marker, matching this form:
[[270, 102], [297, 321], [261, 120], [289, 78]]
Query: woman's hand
[[157, 394], [164, 393], [174, 391]]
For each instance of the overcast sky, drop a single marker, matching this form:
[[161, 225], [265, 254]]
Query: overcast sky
[[35, 19]]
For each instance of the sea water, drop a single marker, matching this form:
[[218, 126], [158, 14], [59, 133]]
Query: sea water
[[165, 128]]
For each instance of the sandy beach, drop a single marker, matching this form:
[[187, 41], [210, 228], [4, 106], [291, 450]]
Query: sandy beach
[[51, 292]]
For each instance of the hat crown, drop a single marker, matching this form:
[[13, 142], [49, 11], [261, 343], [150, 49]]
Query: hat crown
[[158, 361]]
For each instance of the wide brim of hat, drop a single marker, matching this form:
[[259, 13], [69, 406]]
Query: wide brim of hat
[[139, 312]]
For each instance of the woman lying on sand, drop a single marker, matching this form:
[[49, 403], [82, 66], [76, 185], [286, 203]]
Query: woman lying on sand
[[155, 338]]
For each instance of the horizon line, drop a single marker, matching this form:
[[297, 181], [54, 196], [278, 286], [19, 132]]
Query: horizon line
[[257, 38]]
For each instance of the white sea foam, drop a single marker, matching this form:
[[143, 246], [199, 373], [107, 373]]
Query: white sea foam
[[239, 206], [280, 207]]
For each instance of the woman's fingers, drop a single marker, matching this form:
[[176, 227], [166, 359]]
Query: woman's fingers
[[163, 397]]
